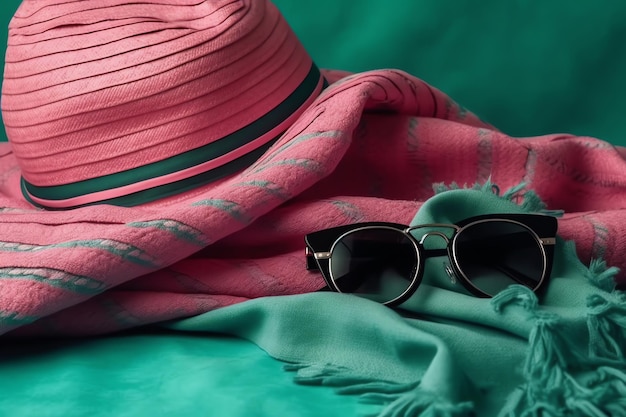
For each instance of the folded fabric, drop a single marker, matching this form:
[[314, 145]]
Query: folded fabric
[[369, 148], [453, 354]]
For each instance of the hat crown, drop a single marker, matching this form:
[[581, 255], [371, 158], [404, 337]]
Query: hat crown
[[121, 102], [36, 16]]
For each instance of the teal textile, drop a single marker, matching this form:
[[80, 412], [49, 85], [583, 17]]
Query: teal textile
[[447, 354], [455, 354], [155, 374]]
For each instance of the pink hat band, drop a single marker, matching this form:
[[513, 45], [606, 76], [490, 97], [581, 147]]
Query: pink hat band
[[124, 103]]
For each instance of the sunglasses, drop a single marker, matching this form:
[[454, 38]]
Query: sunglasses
[[385, 261]]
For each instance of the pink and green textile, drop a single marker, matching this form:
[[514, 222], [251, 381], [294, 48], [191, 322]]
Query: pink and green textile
[[369, 148], [228, 257]]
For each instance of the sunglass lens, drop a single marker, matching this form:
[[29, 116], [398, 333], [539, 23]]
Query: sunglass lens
[[374, 263], [496, 254]]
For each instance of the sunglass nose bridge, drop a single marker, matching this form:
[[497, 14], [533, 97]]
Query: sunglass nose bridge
[[434, 233], [434, 229]]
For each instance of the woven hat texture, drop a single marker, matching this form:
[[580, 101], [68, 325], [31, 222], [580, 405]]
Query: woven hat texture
[[127, 102]]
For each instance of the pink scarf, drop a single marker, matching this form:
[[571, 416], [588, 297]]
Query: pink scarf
[[369, 148]]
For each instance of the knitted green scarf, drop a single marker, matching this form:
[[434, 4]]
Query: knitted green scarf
[[451, 354]]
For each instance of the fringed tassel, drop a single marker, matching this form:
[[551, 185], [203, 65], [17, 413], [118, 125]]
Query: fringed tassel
[[560, 383], [419, 403], [546, 359], [487, 186], [515, 295], [528, 200], [606, 317], [604, 395], [614, 383], [545, 371], [394, 399], [441, 187], [343, 380], [602, 276], [606, 322]]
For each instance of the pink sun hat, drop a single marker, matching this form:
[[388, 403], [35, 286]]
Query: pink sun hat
[[125, 103]]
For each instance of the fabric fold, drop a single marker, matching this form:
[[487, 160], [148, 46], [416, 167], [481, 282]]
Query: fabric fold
[[448, 353], [241, 238]]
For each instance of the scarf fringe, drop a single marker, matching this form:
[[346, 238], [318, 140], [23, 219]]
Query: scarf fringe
[[606, 322], [560, 381], [551, 389], [394, 399], [606, 317], [420, 403], [601, 275], [515, 295], [526, 199]]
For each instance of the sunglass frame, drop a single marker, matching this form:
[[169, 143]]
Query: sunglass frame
[[543, 228]]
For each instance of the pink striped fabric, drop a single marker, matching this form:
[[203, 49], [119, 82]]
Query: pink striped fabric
[[369, 148]]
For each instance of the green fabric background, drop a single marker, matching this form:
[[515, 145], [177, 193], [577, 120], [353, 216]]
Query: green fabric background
[[529, 67], [154, 375], [7, 8]]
